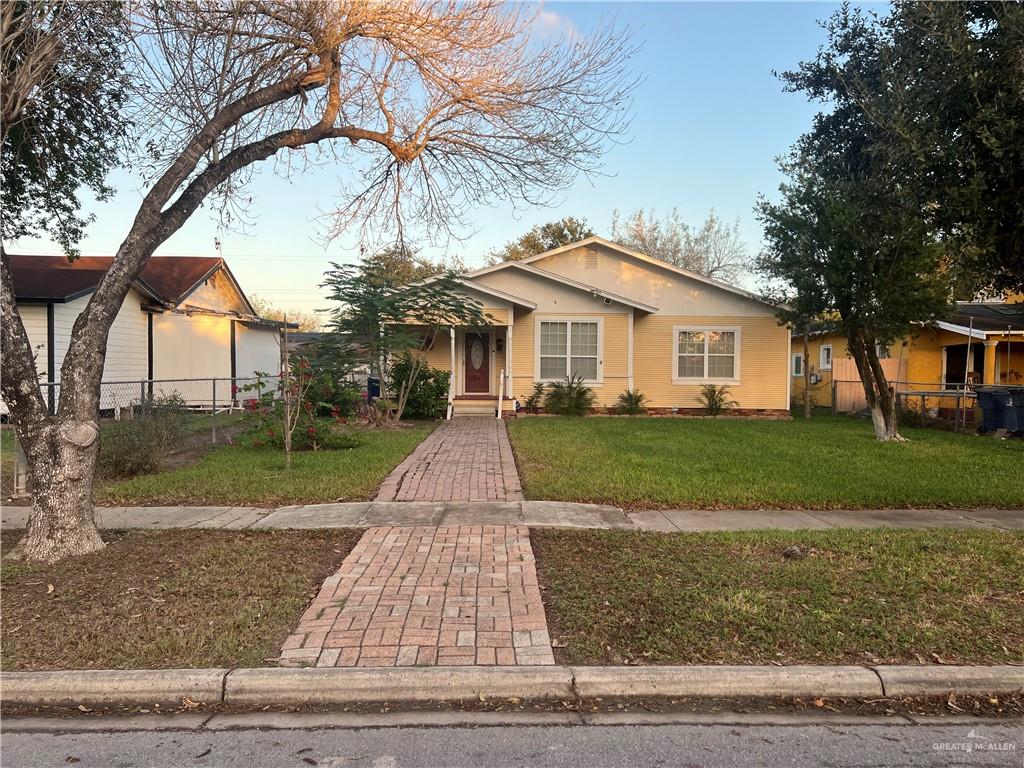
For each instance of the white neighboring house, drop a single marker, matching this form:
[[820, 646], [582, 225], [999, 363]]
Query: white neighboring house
[[185, 317]]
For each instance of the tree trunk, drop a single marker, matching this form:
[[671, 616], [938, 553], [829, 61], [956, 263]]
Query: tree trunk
[[881, 402], [807, 375], [61, 465]]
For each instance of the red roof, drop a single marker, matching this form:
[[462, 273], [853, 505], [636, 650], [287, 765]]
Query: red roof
[[54, 278]]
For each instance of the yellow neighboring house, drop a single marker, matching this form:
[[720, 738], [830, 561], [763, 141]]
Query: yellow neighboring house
[[926, 364], [621, 320]]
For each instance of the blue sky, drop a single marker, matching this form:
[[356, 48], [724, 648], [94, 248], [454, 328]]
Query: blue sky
[[709, 121]]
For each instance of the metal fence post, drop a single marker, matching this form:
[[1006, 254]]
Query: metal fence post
[[213, 414], [142, 397]]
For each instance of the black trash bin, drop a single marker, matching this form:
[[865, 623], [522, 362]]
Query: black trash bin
[[1015, 409], [995, 408]]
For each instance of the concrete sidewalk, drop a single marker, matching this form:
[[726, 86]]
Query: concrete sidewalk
[[370, 514]]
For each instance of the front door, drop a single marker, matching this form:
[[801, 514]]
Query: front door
[[478, 363]]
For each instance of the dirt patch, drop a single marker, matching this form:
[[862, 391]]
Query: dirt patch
[[182, 598], [194, 446]]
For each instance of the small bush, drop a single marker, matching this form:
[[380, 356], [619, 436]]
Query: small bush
[[311, 434], [631, 402], [429, 392], [716, 398], [569, 398], [135, 446], [533, 402]]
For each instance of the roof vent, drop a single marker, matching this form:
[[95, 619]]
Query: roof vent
[[590, 260]]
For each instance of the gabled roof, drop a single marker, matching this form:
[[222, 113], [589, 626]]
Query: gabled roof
[[166, 279], [642, 257], [597, 292]]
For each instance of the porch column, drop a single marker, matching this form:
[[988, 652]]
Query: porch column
[[451, 375], [510, 391], [989, 374], [629, 351]]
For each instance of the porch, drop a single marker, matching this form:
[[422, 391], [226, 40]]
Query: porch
[[480, 362]]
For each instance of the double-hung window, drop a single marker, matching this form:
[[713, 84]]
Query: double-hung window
[[825, 358], [568, 347], [706, 354]]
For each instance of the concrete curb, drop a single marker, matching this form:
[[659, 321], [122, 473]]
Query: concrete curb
[[315, 686], [724, 682], [258, 687], [98, 687], [933, 681]]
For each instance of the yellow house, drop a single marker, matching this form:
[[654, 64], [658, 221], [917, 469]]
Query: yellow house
[[621, 320], [980, 343]]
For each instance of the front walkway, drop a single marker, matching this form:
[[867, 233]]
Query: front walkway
[[466, 459], [427, 596]]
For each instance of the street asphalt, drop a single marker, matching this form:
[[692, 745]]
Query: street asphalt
[[594, 746]]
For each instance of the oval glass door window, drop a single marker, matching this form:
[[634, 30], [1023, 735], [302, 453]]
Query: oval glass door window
[[476, 353]]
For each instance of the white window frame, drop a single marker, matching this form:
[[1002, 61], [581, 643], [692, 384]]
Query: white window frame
[[599, 381], [797, 357], [822, 365], [705, 379]]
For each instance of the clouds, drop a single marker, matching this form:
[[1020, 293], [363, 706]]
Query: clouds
[[549, 23]]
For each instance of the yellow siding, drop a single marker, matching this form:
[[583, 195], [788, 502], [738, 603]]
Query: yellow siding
[[821, 393], [615, 357], [763, 362], [498, 315]]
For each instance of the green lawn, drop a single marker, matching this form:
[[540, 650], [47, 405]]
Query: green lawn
[[244, 475], [828, 462], [848, 596]]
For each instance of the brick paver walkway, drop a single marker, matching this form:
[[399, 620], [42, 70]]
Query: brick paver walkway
[[428, 596], [466, 459]]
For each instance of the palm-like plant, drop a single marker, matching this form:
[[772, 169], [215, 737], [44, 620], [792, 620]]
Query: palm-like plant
[[533, 402], [716, 398], [570, 397], [631, 402]]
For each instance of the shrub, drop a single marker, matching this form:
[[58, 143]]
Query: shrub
[[569, 398], [311, 434], [429, 392], [135, 446], [716, 398], [315, 420], [533, 402], [631, 402]]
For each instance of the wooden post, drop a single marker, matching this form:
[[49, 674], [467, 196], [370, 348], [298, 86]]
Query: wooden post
[[286, 392]]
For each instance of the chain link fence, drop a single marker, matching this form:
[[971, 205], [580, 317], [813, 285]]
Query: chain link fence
[[920, 402], [135, 398]]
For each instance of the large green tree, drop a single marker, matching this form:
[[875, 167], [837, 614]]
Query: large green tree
[[937, 89], [543, 237], [61, 97], [851, 246]]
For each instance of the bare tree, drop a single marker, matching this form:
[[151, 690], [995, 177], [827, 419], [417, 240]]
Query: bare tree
[[306, 322], [432, 106], [714, 250]]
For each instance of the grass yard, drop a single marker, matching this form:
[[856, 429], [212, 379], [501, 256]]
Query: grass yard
[[243, 475], [165, 599], [853, 597], [828, 462]]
